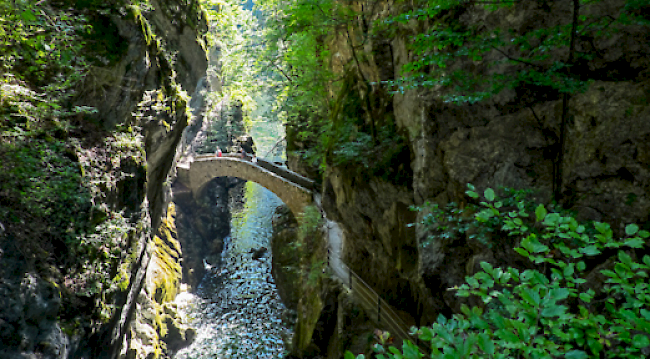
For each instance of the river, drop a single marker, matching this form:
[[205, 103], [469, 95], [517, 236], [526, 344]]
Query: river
[[236, 309]]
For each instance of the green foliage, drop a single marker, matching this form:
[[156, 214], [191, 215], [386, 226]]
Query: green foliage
[[40, 43], [287, 43], [296, 58], [541, 57], [54, 196], [40, 179], [551, 309], [310, 222], [310, 225], [236, 32], [349, 144], [40, 182], [455, 222]]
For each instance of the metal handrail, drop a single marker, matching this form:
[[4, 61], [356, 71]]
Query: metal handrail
[[369, 299], [375, 301]]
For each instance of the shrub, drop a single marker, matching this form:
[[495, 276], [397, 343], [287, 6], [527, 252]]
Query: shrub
[[551, 311]]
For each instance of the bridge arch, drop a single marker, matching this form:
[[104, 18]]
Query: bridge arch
[[290, 187]]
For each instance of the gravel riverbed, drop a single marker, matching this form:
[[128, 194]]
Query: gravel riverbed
[[236, 309]]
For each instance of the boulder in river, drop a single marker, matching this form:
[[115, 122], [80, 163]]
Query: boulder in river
[[259, 252]]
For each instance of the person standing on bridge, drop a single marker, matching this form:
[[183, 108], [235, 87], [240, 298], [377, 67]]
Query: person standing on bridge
[[242, 154], [219, 153]]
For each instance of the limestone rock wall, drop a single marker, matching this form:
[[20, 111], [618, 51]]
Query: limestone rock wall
[[157, 330], [126, 150], [510, 140], [506, 141], [379, 246]]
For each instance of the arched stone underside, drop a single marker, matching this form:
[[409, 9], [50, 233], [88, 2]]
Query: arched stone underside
[[195, 175]]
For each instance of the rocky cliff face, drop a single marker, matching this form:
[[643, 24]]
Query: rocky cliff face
[[508, 141], [156, 329], [126, 149], [310, 295]]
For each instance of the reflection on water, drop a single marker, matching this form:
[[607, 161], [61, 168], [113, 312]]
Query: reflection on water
[[251, 228], [237, 309]]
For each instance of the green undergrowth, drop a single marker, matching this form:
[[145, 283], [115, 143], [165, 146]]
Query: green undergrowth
[[346, 140], [455, 221], [306, 247], [70, 192], [41, 187], [583, 293], [41, 193]]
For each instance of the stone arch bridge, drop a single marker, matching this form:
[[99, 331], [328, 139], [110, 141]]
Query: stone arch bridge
[[293, 189]]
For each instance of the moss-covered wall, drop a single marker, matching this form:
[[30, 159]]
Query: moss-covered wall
[[157, 331], [119, 129]]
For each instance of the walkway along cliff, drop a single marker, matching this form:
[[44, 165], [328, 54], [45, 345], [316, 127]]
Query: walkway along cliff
[[434, 144]]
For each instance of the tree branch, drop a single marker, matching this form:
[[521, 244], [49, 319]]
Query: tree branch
[[557, 168], [539, 67]]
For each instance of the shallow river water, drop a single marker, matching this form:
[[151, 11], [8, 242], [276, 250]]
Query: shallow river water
[[236, 310]]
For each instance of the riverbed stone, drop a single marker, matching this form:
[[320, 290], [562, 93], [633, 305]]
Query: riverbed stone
[[236, 308]]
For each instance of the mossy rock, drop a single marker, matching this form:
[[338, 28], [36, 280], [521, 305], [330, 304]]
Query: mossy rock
[[166, 272]]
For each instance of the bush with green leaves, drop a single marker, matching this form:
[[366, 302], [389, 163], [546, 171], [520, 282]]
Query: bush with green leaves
[[454, 221], [42, 46], [584, 295], [57, 194]]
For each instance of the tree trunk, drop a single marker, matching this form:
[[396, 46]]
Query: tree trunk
[[566, 97]]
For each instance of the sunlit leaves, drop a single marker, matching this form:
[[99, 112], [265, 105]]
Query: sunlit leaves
[[237, 34], [540, 312], [28, 15], [45, 40], [536, 55]]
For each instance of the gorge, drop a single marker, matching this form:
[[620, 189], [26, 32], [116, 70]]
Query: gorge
[[476, 169]]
